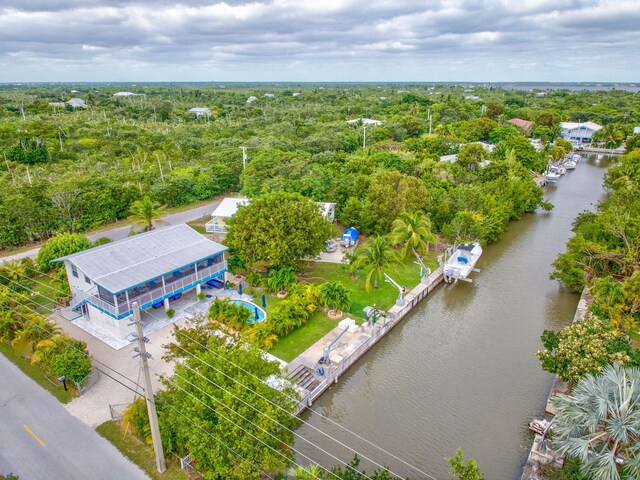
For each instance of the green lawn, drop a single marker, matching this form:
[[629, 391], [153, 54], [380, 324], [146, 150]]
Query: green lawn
[[138, 452], [384, 297], [36, 373], [292, 345]]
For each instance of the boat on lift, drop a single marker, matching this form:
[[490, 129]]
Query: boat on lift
[[570, 164], [560, 168], [461, 262], [551, 175]]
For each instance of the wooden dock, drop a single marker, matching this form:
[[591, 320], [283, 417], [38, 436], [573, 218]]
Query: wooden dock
[[536, 457], [350, 347]]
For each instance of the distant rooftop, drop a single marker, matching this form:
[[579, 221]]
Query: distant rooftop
[[365, 121], [123, 264], [229, 206], [574, 125]]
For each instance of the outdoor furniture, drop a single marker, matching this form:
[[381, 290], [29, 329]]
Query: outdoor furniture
[[158, 304]]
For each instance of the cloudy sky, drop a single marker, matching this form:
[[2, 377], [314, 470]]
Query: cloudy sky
[[320, 40]]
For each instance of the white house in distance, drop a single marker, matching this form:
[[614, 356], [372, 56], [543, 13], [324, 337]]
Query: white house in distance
[[151, 268], [198, 111], [228, 207], [365, 121], [77, 103], [579, 132]]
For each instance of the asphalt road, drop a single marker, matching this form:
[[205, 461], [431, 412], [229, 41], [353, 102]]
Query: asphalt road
[[39, 439], [118, 233]]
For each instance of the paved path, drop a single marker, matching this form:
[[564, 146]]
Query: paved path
[[118, 233], [39, 439]]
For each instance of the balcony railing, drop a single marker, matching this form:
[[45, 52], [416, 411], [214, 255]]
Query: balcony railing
[[153, 296], [215, 227]]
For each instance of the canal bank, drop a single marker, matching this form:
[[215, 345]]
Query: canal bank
[[460, 370]]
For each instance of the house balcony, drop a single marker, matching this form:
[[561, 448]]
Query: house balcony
[[214, 226], [152, 296]]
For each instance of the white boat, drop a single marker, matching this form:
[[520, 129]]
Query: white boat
[[576, 157], [560, 168], [551, 175], [461, 262], [570, 165]]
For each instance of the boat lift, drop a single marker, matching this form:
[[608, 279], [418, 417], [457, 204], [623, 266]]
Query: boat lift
[[443, 259], [325, 360], [401, 290], [424, 270]]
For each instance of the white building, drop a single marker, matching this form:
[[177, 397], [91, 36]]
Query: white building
[[251, 99], [77, 103], [228, 207], [126, 94], [365, 121], [152, 269], [198, 111], [579, 132], [636, 130]]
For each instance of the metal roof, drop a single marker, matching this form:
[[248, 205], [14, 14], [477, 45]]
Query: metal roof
[[228, 207], [575, 125], [123, 264]]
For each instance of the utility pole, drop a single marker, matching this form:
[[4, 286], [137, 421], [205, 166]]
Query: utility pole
[[244, 157], [148, 391]]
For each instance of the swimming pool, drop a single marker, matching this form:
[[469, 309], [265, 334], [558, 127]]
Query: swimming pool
[[253, 308]]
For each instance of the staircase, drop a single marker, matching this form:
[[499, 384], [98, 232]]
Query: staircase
[[304, 377]]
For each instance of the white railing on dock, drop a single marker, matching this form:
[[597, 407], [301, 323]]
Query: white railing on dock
[[394, 315]]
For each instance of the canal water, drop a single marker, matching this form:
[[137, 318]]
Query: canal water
[[460, 370]]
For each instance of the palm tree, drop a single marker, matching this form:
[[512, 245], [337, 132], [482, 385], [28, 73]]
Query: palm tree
[[375, 255], [334, 295], [34, 330], [599, 423], [413, 230], [309, 472], [145, 211]]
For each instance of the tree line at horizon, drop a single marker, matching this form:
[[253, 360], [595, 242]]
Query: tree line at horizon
[[74, 170]]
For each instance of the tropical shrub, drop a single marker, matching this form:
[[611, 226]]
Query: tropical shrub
[[335, 296], [59, 246], [74, 364]]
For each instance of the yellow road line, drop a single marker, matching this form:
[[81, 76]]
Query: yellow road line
[[33, 435]]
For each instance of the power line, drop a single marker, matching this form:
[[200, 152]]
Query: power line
[[231, 421], [267, 416], [279, 407], [143, 389], [311, 410], [141, 395]]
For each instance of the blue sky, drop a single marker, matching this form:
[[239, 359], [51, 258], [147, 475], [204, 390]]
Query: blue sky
[[320, 40]]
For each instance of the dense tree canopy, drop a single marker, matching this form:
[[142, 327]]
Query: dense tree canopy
[[278, 229], [88, 166]]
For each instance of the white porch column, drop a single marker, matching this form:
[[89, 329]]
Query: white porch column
[[167, 305], [198, 289]]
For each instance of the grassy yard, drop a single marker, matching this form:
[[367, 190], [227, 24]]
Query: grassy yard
[[292, 345], [384, 297], [138, 452], [37, 374]]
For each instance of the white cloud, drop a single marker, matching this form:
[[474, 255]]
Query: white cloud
[[484, 40]]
